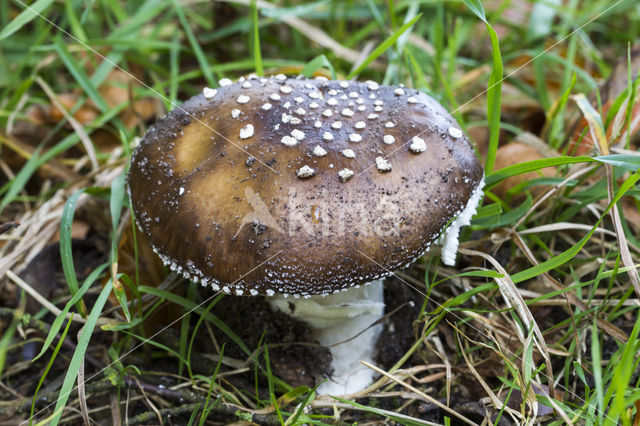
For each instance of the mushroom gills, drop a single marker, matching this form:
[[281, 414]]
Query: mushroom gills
[[341, 321], [449, 238]]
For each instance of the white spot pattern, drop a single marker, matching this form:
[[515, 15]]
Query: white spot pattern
[[417, 145], [383, 164], [209, 93], [305, 172], [246, 132]]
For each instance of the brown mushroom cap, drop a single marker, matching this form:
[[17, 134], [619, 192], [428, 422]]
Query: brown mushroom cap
[[252, 187]]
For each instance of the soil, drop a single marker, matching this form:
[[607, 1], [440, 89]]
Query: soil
[[294, 355]]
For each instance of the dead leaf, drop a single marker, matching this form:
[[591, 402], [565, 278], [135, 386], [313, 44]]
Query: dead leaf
[[118, 88], [84, 115], [79, 230], [514, 153]]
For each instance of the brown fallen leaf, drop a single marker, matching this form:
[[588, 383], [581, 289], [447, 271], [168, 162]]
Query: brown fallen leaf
[[118, 88], [514, 153], [79, 230], [84, 115], [41, 114]]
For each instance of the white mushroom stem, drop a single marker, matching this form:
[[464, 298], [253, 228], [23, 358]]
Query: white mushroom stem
[[340, 322], [449, 238]]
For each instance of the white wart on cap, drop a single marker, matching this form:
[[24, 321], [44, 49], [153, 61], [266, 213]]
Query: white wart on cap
[[287, 221]]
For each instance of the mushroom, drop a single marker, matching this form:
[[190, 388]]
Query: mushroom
[[309, 191]]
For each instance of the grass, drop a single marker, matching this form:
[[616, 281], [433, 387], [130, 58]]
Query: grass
[[538, 323]]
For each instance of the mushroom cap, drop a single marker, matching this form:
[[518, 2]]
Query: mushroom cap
[[299, 186]]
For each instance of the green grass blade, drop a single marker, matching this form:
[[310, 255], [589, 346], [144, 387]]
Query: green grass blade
[[31, 12], [105, 68], [309, 397], [74, 23], [197, 50], [597, 370], [7, 335], [558, 123], [494, 90], [476, 7], [165, 348], [206, 409], [116, 201], [81, 349], [174, 55], [190, 305], [88, 6], [257, 54], [317, 63], [185, 321], [79, 75], [272, 394], [387, 43], [401, 419], [57, 323], [201, 318], [492, 179], [147, 12], [627, 162], [66, 254], [48, 367], [37, 160], [575, 249], [505, 218], [623, 372]]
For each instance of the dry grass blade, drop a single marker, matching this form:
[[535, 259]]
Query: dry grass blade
[[514, 299], [491, 394], [116, 416], [51, 167], [598, 134], [342, 406], [442, 354], [571, 297], [596, 127], [581, 170], [418, 392], [494, 398], [623, 244], [149, 403], [77, 127], [39, 226], [562, 226], [33, 293], [538, 144], [82, 397]]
